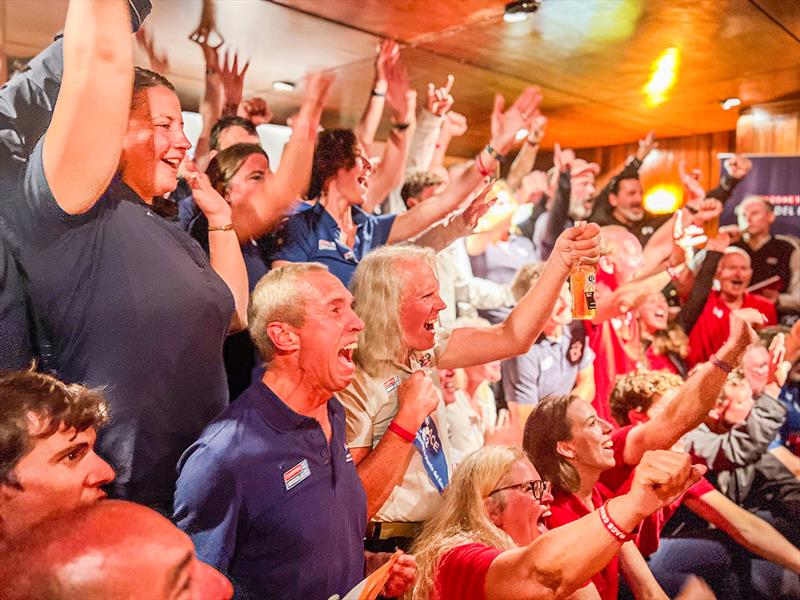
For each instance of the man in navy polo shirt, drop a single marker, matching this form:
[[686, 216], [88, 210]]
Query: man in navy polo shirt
[[269, 494]]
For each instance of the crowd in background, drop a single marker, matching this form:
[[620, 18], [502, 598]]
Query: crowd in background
[[289, 378]]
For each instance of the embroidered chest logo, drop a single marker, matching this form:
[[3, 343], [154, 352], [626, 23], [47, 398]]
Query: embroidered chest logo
[[717, 311], [296, 474], [327, 245], [391, 384]]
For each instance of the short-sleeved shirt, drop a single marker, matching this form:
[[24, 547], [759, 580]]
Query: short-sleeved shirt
[[461, 572], [314, 236], [713, 325], [551, 366], [129, 302], [371, 403], [268, 500], [466, 426]]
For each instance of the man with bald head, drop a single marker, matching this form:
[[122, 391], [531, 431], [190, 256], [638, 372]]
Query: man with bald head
[[110, 549], [711, 330]]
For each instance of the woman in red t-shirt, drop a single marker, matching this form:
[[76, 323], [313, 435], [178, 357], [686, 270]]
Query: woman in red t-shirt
[[487, 541]]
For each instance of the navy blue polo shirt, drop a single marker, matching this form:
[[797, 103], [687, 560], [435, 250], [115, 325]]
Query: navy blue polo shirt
[[314, 236], [15, 334], [128, 302], [267, 500]]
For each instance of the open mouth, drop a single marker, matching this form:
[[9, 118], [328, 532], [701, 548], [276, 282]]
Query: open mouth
[[608, 445], [540, 522], [173, 163], [346, 355], [430, 325], [660, 314], [737, 282]]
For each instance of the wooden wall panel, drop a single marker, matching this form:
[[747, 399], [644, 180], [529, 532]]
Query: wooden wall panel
[[772, 128]]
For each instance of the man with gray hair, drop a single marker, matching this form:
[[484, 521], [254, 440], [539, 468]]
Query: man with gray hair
[[269, 493]]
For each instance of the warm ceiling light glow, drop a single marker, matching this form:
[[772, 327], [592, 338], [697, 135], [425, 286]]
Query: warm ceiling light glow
[[729, 103], [521, 134], [663, 77], [283, 86], [663, 199]]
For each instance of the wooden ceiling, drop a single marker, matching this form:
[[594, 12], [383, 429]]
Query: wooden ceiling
[[591, 58]]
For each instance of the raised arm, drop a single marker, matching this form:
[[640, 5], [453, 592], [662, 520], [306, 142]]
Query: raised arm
[[279, 192], [504, 128], [210, 105], [474, 346], [696, 396], [388, 53], [552, 567], [91, 113], [526, 157]]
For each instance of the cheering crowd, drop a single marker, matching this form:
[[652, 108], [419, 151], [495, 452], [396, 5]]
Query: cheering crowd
[[289, 378]]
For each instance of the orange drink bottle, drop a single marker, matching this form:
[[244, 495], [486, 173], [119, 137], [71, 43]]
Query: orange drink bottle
[[581, 284]]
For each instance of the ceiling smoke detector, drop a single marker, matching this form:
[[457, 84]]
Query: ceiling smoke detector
[[520, 10]]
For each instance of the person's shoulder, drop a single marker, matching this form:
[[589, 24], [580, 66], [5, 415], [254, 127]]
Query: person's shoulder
[[786, 243]]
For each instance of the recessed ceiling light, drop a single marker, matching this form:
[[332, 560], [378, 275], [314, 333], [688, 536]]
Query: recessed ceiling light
[[283, 86], [729, 103], [520, 10]]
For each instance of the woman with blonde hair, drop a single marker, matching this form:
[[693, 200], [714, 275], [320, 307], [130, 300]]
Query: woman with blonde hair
[[486, 542]]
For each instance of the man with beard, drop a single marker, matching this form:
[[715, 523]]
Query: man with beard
[[711, 330]]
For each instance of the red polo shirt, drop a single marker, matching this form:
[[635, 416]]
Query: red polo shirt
[[713, 325], [461, 572]]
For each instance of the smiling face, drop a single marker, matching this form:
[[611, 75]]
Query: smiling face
[[154, 144], [733, 274], [352, 183], [627, 202], [654, 313], [249, 178], [582, 192], [521, 514], [591, 446], [329, 334], [60, 473], [420, 303]]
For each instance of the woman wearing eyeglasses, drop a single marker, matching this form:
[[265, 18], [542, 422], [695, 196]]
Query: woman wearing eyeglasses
[[487, 540]]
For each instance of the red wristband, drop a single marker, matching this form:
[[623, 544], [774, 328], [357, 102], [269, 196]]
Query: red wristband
[[481, 168], [403, 433], [612, 528], [673, 274]]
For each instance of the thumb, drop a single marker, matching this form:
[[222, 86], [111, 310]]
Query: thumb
[[499, 103], [696, 474]]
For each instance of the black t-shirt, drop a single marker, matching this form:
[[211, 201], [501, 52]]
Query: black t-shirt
[[770, 260], [15, 339], [642, 229], [130, 302]]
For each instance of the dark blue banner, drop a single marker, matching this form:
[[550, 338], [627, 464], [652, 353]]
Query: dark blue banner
[[776, 179], [429, 445]]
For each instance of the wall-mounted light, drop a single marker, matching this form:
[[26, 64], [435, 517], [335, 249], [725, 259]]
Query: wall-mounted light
[[283, 86], [729, 103], [520, 10]]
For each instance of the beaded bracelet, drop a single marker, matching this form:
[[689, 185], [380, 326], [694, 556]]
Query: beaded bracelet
[[613, 529], [720, 364]]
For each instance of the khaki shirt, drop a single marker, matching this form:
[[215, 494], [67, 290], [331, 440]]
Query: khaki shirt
[[371, 404]]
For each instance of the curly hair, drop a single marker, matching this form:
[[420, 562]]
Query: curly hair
[[54, 404], [336, 149], [672, 339], [638, 389]]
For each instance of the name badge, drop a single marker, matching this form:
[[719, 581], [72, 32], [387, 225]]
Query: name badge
[[327, 245], [391, 384], [717, 312], [547, 362], [296, 474]]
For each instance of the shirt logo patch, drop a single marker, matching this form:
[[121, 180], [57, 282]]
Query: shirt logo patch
[[347, 456], [717, 312], [772, 260], [391, 384], [327, 245], [546, 363], [296, 474]]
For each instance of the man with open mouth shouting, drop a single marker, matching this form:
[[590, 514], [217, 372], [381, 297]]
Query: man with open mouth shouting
[[269, 494], [711, 330], [396, 420]]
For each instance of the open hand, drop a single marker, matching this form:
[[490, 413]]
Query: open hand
[[646, 145], [158, 60], [233, 79], [742, 322], [480, 205], [318, 87], [506, 124], [563, 159]]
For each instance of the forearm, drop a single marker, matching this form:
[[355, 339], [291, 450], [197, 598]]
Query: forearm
[[440, 235], [659, 247], [558, 213], [371, 118], [584, 384], [210, 111], [225, 255], [391, 169], [423, 142], [440, 151], [628, 296], [522, 165], [640, 579], [383, 468], [694, 305]]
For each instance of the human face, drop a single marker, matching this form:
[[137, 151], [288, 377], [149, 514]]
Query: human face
[[755, 217], [60, 473], [233, 135], [522, 515], [591, 444], [627, 257], [187, 577], [739, 402], [427, 193], [627, 202], [490, 372], [654, 313], [420, 303], [352, 183], [249, 178], [755, 364], [154, 144], [581, 195], [733, 274], [329, 334], [448, 385]]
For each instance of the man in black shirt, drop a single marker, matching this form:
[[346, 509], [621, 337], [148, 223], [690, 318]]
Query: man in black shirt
[[775, 260]]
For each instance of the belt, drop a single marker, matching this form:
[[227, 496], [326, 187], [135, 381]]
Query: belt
[[378, 530]]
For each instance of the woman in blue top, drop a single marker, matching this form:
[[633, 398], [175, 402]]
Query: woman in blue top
[[123, 298]]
